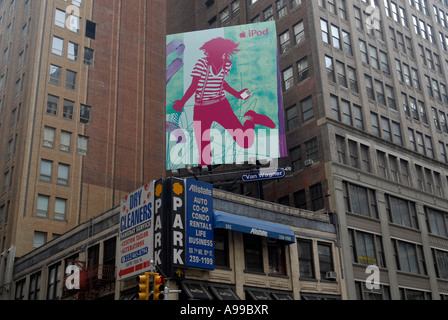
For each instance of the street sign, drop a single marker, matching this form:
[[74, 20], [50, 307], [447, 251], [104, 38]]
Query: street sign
[[199, 224], [136, 232], [264, 175]]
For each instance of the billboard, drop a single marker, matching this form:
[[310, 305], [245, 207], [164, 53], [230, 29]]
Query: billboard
[[136, 232], [223, 96]]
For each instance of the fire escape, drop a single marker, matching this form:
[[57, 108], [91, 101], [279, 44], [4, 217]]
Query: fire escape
[[93, 281]]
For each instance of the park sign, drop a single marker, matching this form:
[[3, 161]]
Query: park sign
[[183, 226], [136, 247]]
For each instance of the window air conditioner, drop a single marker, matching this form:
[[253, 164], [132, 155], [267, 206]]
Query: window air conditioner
[[309, 162], [331, 275]]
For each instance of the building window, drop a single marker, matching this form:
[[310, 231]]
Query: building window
[[437, 222], [66, 141], [34, 290], [63, 174], [284, 42], [55, 75], [330, 68], [54, 282], [367, 248], [221, 238], [83, 144], [296, 158], [235, 8], [299, 32], [60, 209], [303, 69], [284, 200], [74, 23], [409, 257], [59, 19], [20, 288], [40, 238], [288, 79], [49, 134], [88, 56], [300, 199], [295, 3], [324, 31], [84, 114], [347, 42], [317, 198], [312, 150], [401, 212], [306, 106], [70, 80], [72, 53], [369, 87], [282, 8], [58, 46], [325, 259], [110, 246], [52, 104], [45, 170], [409, 294], [224, 16], [67, 111], [362, 293], [93, 255], [292, 120], [90, 29], [306, 263], [276, 257], [440, 263], [268, 14], [352, 78], [42, 206], [253, 253], [336, 37], [360, 200]]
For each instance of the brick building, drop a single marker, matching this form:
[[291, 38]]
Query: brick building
[[247, 266], [364, 86], [81, 112]]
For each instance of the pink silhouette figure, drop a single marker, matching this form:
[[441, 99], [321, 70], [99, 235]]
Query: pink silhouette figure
[[209, 86]]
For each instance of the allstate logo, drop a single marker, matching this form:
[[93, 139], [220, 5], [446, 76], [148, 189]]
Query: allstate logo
[[255, 33]]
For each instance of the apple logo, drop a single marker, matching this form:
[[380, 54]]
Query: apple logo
[[243, 34]]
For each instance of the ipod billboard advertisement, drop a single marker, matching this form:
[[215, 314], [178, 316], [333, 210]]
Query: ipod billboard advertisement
[[223, 97]]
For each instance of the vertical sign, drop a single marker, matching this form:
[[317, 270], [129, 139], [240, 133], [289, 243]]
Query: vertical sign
[[199, 225], [177, 224], [136, 232], [160, 225]]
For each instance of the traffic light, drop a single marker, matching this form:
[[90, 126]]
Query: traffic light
[[159, 287], [143, 287]]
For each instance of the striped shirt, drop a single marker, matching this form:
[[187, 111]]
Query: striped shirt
[[210, 87]]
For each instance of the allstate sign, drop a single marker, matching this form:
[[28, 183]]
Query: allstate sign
[[200, 225]]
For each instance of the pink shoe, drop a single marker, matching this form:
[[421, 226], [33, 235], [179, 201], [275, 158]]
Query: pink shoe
[[260, 119]]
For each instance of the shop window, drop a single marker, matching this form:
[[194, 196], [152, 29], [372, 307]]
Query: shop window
[[253, 253]]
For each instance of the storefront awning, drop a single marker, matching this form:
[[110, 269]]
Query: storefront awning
[[266, 229]]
